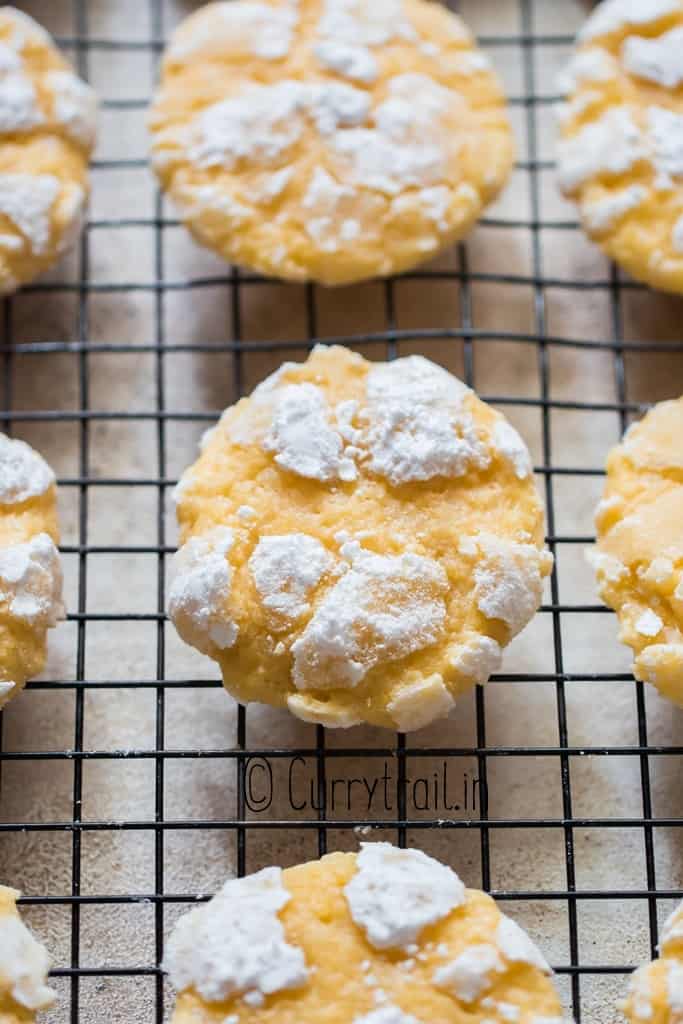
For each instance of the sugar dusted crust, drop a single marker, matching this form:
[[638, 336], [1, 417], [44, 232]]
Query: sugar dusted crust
[[359, 541], [47, 132], [330, 140], [655, 991], [24, 965], [639, 554], [30, 567], [387, 936], [620, 157]]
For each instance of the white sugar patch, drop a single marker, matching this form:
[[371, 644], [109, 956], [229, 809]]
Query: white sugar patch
[[508, 581], [649, 624], [286, 569], [408, 146], [6, 688], [416, 428], [420, 703], [31, 581], [252, 29], [516, 946], [303, 438], [665, 132], [612, 15], [25, 965], [677, 235], [23, 473], [602, 214], [512, 448], [469, 975], [236, 944], [383, 609], [263, 121], [75, 105], [358, 23], [19, 109], [355, 62], [27, 200], [386, 1015], [610, 145], [594, 65], [658, 60], [395, 894], [478, 659], [200, 590]]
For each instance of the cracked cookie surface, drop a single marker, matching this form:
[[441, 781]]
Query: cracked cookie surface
[[328, 140], [359, 541], [30, 567], [387, 936], [24, 966], [639, 554], [620, 156], [47, 132]]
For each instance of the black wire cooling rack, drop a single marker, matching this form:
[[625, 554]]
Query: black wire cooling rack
[[87, 48]]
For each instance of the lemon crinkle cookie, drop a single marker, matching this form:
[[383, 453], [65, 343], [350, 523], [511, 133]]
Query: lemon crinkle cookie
[[621, 153], [24, 966], [331, 140], [47, 129], [639, 554], [387, 936], [30, 568], [359, 541], [655, 993]]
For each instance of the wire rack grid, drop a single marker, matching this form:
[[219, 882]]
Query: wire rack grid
[[62, 832]]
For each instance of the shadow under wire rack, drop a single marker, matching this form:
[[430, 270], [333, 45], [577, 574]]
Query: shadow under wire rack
[[73, 321]]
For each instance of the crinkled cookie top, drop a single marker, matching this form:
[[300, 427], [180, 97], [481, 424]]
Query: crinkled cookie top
[[47, 132], [328, 139], [359, 541], [387, 936], [621, 153]]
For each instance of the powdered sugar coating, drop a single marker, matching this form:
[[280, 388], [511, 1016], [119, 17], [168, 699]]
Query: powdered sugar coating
[[516, 946], [286, 569], [356, 82], [200, 590], [613, 15], [24, 962], [353, 598], [602, 214], [610, 145], [511, 446], [416, 426], [508, 579], [31, 581], [27, 200], [594, 65], [395, 894], [23, 473], [673, 927], [382, 609], [75, 106], [469, 975], [236, 944], [303, 439], [386, 1015]]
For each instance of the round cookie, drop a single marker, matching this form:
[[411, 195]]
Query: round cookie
[[30, 568], [328, 140], [24, 966], [47, 132], [656, 990], [359, 541], [621, 153], [387, 936], [639, 554]]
